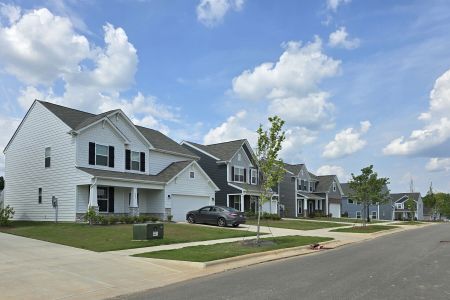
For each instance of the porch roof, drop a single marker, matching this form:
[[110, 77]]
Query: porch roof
[[309, 196], [163, 177], [247, 188]]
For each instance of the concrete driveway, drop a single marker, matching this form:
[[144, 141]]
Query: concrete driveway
[[32, 269]]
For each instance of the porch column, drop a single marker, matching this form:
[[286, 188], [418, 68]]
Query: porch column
[[305, 207], [326, 203], [93, 197], [242, 202], [134, 209]]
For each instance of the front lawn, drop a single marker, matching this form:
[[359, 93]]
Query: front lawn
[[295, 224], [226, 250], [115, 237], [346, 220], [365, 229]]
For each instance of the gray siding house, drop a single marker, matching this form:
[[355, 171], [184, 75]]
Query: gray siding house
[[232, 167], [303, 194], [400, 211]]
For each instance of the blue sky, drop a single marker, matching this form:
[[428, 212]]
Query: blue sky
[[358, 82]]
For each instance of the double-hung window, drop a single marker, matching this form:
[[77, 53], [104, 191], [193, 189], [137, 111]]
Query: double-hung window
[[238, 174], [399, 205], [48, 152], [358, 215], [374, 215], [254, 179], [135, 161], [101, 155], [102, 199]]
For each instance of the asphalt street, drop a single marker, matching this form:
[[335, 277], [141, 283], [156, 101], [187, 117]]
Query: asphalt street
[[414, 264]]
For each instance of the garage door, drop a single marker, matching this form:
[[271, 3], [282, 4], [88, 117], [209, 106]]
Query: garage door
[[335, 210], [181, 204]]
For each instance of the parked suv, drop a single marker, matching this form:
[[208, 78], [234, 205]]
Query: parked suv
[[217, 215]]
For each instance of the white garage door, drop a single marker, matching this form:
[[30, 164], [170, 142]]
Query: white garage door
[[335, 210], [181, 204]]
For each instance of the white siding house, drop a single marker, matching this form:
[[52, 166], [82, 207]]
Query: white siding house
[[103, 161]]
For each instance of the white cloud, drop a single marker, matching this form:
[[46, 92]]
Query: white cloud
[[10, 12], [436, 164], [211, 12], [297, 73], [340, 39], [235, 127], [312, 111], [433, 140], [333, 170], [333, 5], [346, 142], [296, 138]]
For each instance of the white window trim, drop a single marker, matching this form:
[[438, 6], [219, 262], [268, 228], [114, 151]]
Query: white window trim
[[104, 199], [300, 207], [334, 186], [254, 172], [107, 155], [138, 161], [358, 213], [376, 215], [235, 173], [40, 192], [49, 156], [191, 173]]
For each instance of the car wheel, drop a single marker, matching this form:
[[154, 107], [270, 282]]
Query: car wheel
[[191, 219], [235, 225], [221, 222]]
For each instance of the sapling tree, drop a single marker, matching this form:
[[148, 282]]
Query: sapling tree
[[411, 205], [270, 165], [368, 189]]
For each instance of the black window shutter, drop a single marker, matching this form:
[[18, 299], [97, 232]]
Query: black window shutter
[[111, 156], [245, 175], [127, 159], [111, 199], [91, 153], [232, 173], [142, 161]]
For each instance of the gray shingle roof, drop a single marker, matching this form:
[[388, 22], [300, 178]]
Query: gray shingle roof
[[310, 195], [324, 183], [249, 188], [398, 196], [293, 168], [224, 151], [161, 141], [163, 177], [77, 119], [346, 189]]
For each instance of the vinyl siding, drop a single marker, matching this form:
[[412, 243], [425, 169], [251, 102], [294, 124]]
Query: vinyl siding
[[244, 163], [288, 195], [25, 172], [159, 161], [183, 185]]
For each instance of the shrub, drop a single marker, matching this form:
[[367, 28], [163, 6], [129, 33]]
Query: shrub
[[345, 215], [123, 219], [169, 218], [154, 219], [129, 220], [250, 214], [91, 216], [102, 220], [6, 214], [113, 220]]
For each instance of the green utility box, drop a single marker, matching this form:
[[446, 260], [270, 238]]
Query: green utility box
[[148, 231]]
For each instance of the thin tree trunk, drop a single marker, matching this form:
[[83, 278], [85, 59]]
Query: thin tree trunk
[[259, 218]]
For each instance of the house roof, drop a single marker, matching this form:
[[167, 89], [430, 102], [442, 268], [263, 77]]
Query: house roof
[[397, 196], [77, 119], [346, 189], [161, 141], [224, 151], [324, 183], [163, 177], [248, 188], [309, 195], [293, 168]]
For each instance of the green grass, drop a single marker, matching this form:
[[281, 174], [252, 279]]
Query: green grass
[[408, 223], [366, 229], [115, 237], [226, 250], [346, 220], [295, 224]]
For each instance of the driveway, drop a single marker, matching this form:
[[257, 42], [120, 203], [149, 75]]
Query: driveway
[[412, 264], [32, 269]]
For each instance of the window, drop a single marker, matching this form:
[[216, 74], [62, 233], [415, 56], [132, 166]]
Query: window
[[101, 155], [312, 186], [358, 215], [399, 205], [205, 209], [334, 186], [102, 199], [350, 201], [236, 202], [135, 161], [48, 152], [191, 174], [238, 174], [40, 195], [239, 157], [300, 207], [254, 176], [374, 215], [318, 204]]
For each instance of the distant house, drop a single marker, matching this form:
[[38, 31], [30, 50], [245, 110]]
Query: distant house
[[353, 209], [232, 166], [304, 194], [103, 161], [400, 209]]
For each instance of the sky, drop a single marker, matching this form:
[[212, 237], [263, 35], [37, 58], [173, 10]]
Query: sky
[[357, 82]]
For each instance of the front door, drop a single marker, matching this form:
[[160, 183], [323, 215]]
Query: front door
[[310, 207]]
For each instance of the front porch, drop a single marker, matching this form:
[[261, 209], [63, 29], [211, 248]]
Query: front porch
[[249, 203], [116, 199], [310, 206]]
